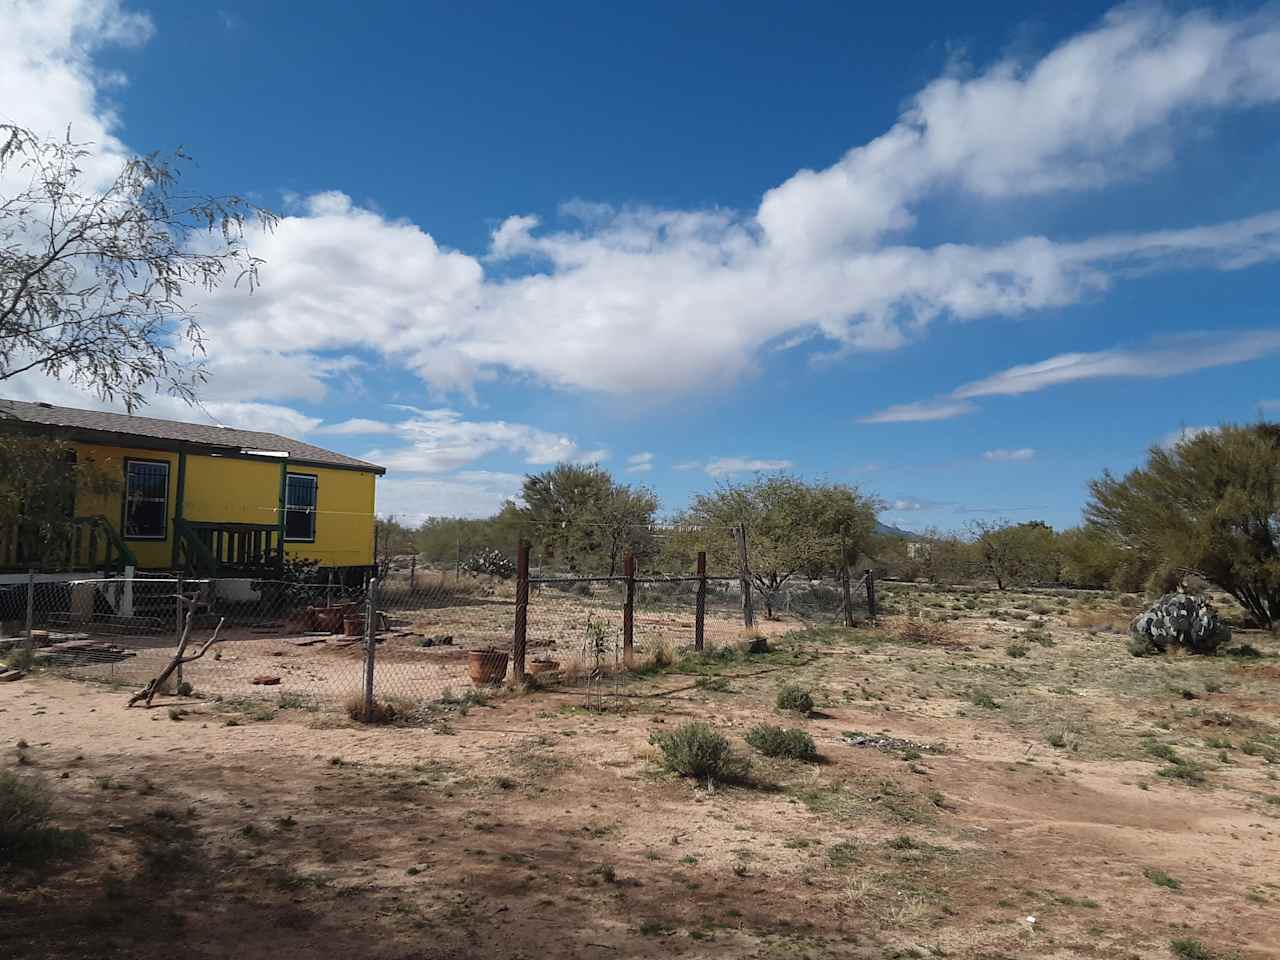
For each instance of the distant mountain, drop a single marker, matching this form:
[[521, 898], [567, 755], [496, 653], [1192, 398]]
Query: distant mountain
[[887, 531]]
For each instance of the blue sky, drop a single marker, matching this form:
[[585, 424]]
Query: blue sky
[[964, 260]]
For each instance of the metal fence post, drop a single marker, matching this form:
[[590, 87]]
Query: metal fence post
[[520, 634], [871, 594], [629, 609], [413, 573], [700, 604], [748, 612], [31, 609], [370, 646]]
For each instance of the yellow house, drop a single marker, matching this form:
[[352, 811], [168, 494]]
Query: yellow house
[[207, 500]]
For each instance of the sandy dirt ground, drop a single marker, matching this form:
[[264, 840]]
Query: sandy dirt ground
[[1039, 786]]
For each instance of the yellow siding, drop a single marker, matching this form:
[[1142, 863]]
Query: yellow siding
[[231, 490], [150, 553], [344, 520], [235, 490]]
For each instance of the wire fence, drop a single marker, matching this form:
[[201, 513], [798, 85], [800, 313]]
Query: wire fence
[[419, 636]]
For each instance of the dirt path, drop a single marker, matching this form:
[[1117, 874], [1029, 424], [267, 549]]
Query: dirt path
[[531, 828]]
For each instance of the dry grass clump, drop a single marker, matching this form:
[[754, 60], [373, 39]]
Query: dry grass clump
[[1108, 619], [916, 631], [381, 711]]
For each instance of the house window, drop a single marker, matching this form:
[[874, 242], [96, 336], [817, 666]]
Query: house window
[[300, 507], [146, 499]]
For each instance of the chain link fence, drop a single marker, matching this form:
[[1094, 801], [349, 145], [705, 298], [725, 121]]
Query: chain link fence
[[434, 634], [301, 643]]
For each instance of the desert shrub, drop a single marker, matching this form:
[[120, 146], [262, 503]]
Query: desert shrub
[[796, 699], [491, 563], [25, 835], [916, 631], [21, 657], [779, 742], [1016, 649], [380, 711], [696, 750], [1177, 620]]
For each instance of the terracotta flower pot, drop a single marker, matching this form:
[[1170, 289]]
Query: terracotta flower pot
[[543, 666], [487, 667], [329, 619], [353, 625]]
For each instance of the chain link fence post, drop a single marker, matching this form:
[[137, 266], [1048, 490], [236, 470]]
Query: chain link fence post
[[871, 594], [700, 604], [31, 611], [370, 646]]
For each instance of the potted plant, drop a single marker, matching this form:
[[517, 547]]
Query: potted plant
[[487, 667]]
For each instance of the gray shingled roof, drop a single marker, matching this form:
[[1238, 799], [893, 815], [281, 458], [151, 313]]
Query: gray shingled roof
[[175, 432]]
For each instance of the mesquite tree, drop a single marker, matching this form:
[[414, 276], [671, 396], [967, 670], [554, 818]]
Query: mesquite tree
[[794, 528], [1210, 506], [95, 281]]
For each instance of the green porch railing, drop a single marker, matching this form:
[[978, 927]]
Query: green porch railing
[[90, 543], [213, 549]]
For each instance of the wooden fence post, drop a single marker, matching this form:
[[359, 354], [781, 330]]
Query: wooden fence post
[[520, 635], [31, 609], [700, 605], [370, 646], [871, 594], [413, 573], [748, 612], [178, 616], [629, 609], [848, 595]]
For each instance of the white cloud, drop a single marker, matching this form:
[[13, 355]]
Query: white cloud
[[1169, 357], [1021, 454], [921, 411], [357, 426], [1166, 357], [1099, 107], [467, 493], [646, 300], [440, 441], [639, 462], [725, 466]]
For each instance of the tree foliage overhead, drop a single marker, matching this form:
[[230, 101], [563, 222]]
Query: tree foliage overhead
[[793, 528], [1210, 505], [94, 284]]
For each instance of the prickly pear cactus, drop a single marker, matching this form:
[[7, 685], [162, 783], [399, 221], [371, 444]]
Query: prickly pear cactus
[[1177, 620]]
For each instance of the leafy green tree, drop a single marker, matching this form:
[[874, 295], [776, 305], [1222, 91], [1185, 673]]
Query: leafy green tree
[[579, 516], [793, 528], [1014, 554], [1090, 559], [1210, 505]]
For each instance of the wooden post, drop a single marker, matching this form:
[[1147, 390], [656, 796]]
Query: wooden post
[[328, 590], [178, 632], [629, 610], [871, 594], [31, 609], [700, 604], [370, 646], [748, 612], [520, 637], [413, 573], [848, 596], [457, 567]]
